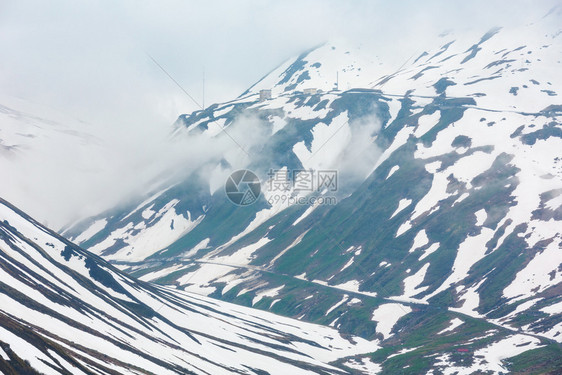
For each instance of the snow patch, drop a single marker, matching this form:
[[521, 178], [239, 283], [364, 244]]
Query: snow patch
[[387, 316], [401, 205], [96, 227], [343, 300], [419, 241], [433, 248], [392, 171], [481, 216], [453, 324], [267, 293], [411, 283]]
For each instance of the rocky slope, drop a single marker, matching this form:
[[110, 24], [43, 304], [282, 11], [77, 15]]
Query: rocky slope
[[66, 311], [449, 196]]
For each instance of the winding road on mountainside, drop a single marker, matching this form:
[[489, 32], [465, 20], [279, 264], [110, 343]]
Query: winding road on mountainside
[[352, 293]]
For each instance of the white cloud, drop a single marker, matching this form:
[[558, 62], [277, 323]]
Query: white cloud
[[89, 60]]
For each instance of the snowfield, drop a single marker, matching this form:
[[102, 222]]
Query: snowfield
[[95, 312], [449, 204]]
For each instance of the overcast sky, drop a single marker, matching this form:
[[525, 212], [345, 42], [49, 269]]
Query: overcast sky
[[89, 59], [83, 56]]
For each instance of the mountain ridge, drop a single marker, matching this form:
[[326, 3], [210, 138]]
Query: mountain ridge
[[68, 311], [459, 210]]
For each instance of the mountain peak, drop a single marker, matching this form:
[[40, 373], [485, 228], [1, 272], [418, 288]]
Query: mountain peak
[[330, 66]]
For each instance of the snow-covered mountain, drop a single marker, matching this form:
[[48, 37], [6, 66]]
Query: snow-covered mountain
[[66, 311], [25, 127], [449, 199], [331, 66], [39, 146]]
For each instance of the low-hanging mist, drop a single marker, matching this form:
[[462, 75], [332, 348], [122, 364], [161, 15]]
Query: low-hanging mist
[[90, 62]]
